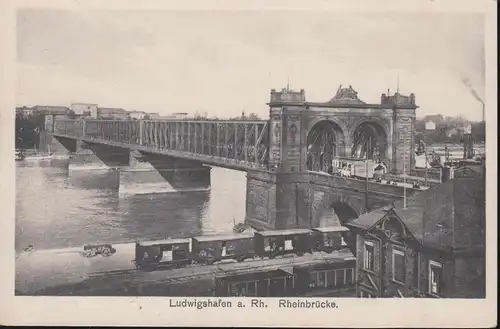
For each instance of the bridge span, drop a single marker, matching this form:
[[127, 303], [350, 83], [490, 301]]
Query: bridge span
[[239, 145], [283, 156]]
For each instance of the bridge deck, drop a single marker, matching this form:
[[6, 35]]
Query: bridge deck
[[237, 145]]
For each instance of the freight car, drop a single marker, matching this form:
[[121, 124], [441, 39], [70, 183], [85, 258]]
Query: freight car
[[162, 253], [209, 249], [328, 239], [281, 242]]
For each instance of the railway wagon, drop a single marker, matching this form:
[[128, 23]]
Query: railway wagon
[[331, 279], [363, 169], [281, 242], [212, 248], [162, 253], [273, 283], [328, 239]]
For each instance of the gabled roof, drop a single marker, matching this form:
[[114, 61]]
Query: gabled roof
[[368, 220], [447, 216]]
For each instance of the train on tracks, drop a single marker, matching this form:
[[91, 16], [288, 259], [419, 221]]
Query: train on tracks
[[208, 249]]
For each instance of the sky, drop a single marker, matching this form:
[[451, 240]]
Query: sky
[[222, 63]]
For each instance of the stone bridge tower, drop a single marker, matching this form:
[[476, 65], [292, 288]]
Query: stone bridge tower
[[286, 195], [277, 198]]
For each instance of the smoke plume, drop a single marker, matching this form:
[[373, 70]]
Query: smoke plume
[[468, 84]]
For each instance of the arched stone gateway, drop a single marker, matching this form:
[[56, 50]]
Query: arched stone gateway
[[370, 140], [333, 209], [325, 140]]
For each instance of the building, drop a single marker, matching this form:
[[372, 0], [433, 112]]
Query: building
[[433, 247], [137, 115], [85, 109], [154, 116], [429, 125], [332, 278], [112, 113], [179, 115], [43, 109], [24, 110]]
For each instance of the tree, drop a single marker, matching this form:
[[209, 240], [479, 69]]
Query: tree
[[27, 130], [253, 116]]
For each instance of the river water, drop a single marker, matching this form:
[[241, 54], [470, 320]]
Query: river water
[[56, 211]]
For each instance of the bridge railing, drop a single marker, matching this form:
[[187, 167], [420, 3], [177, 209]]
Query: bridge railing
[[239, 140], [69, 128], [320, 178]]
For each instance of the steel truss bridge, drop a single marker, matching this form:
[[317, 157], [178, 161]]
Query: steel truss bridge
[[239, 145]]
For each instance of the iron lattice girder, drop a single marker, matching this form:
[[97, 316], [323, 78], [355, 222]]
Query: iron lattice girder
[[240, 140], [361, 137]]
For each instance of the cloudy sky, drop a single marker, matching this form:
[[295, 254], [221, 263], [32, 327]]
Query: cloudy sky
[[225, 62]]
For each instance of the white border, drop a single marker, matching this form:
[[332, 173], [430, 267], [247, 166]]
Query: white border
[[154, 311]]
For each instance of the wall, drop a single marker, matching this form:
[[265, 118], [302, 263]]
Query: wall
[[469, 210], [278, 199], [470, 275], [365, 278], [393, 288]]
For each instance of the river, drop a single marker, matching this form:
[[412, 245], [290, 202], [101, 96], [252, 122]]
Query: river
[[55, 211]]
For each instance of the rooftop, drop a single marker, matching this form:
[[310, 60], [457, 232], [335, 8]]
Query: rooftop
[[223, 237], [447, 216], [163, 242], [331, 229], [255, 276]]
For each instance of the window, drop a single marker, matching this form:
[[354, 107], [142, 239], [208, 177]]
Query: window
[[435, 274], [331, 278], [339, 277], [243, 289], [398, 266], [369, 256], [313, 277], [349, 276], [322, 279]]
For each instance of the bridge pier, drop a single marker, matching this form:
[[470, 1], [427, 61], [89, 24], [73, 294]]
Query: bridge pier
[[97, 157], [278, 200], [151, 173], [132, 172]]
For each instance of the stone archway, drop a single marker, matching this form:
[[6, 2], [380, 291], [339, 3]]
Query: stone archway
[[325, 202], [338, 213], [325, 141], [370, 139]]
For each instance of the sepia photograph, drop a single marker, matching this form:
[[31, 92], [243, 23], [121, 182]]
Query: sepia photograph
[[204, 155]]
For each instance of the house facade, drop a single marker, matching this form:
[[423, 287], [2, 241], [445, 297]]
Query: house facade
[[431, 247]]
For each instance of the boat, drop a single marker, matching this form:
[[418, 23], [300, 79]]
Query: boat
[[34, 155], [38, 157]]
